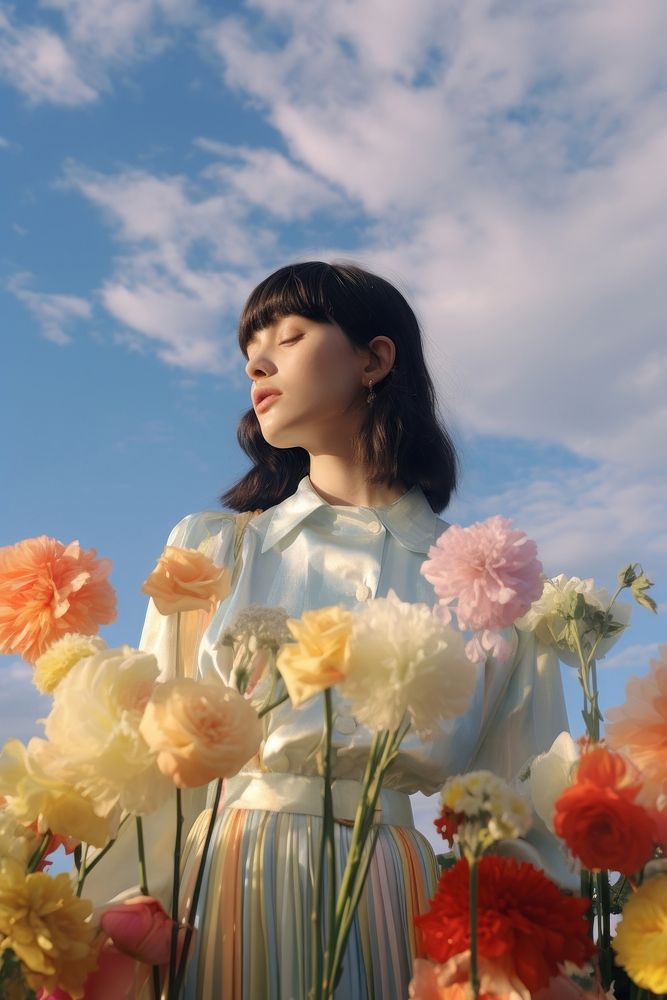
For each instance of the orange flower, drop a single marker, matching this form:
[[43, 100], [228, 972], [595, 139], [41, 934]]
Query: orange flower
[[639, 727], [186, 580], [48, 589], [599, 819], [450, 981]]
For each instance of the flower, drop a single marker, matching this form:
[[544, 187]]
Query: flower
[[255, 636], [17, 840], [641, 937], [547, 616], [200, 731], [318, 658], [490, 569], [550, 774], [479, 809], [450, 981], [402, 659], [564, 988], [639, 727], [48, 589], [93, 727], [186, 580], [598, 818], [523, 919], [46, 927], [60, 657], [140, 927], [35, 790]]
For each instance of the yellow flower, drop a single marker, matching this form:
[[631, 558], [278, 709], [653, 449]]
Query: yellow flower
[[34, 791], [46, 927], [641, 938], [318, 659], [61, 656]]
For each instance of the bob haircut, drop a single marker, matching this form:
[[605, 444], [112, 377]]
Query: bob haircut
[[401, 438]]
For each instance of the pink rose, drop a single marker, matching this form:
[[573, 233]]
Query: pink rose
[[200, 730], [141, 928]]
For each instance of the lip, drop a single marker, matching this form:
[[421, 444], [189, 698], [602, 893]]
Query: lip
[[264, 399]]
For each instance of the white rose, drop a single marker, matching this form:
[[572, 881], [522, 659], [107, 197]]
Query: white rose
[[551, 774]]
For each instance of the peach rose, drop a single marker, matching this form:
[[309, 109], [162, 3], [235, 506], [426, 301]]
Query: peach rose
[[200, 730], [450, 981], [319, 657], [186, 580]]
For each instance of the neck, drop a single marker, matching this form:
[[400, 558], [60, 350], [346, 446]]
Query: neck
[[339, 483]]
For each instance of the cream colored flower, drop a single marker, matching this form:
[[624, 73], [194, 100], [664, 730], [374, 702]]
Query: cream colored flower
[[551, 774], [186, 580], [46, 927], [546, 617], [34, 789], [61, 656], [318, 658], [403, 659], [17, 840], [200, 731], [484, 810], [94, 727]]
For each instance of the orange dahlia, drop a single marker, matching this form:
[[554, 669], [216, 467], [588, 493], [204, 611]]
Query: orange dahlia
[[48, 589], [522, 918]]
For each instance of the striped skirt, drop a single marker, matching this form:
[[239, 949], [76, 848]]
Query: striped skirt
[[253, 920]]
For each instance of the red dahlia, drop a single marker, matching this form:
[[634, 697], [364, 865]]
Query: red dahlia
[[521, 916]]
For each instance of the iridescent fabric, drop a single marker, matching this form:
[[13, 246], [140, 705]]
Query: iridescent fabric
[[254, 918]]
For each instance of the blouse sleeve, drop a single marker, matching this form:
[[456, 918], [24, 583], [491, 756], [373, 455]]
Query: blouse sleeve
[[116, 876]]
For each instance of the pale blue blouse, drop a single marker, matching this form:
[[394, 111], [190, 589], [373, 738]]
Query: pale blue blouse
[[306, 553]]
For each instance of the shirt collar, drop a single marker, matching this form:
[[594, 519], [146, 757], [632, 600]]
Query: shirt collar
[[410, 519]]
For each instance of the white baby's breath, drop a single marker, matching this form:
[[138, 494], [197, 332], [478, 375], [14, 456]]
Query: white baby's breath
[[260, 626], [403, 659], [487, 800]]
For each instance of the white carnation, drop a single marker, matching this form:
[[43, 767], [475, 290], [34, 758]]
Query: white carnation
[[403, 659], [94, 729]]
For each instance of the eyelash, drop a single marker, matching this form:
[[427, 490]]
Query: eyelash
[[292, 341]]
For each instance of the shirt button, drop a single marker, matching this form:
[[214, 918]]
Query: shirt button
[[362, 592], [345, 724], [374, 526]]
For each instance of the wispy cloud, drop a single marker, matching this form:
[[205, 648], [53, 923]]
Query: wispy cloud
[[631, 658], [55, 313]]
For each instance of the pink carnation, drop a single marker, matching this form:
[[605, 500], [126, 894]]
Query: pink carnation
[[490, 569]]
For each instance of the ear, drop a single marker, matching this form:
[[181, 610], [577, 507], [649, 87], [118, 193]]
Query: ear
[[382, 351]]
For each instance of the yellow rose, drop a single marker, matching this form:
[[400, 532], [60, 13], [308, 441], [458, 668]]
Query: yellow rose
[[46, 927], [200, 731], [17, 841], [61, 656], [641, 937], [35, 791], [185, 580], [319, 657]]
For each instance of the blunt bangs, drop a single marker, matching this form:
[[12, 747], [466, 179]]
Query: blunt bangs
[[301, 290]]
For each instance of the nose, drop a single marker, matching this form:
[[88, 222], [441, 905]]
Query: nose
[[259, 365]]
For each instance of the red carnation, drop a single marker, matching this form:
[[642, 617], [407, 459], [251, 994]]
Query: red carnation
[[521, 917]]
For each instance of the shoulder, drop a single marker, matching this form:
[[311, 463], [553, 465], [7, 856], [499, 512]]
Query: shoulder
[[193, 529]]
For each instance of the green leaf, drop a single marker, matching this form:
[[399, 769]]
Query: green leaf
[[579, 609], [639, 588]]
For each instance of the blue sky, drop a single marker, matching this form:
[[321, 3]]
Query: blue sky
[[502, 162]]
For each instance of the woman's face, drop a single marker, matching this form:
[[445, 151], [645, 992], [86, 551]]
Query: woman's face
[[320, 378]]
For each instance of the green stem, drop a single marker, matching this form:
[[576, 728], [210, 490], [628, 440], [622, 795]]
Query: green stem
[[143, 887], [269, 708], [174, 898], [82, 871], [180, 975], [474, 974], [317, 961], [604, 928], [39, 852], [329, 830]]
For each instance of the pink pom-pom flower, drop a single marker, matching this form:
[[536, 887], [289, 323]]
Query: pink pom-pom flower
[[491, 573]]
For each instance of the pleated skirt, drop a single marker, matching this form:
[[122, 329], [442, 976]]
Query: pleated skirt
[[253, 920]]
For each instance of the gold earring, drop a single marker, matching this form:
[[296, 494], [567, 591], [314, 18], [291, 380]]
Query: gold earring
[[371, 394]]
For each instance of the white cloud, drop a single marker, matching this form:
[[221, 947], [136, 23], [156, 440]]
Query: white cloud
[[71, 67], [632, 657], [55, 313]]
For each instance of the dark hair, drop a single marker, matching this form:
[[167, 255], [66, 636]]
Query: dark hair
[[401, 438]]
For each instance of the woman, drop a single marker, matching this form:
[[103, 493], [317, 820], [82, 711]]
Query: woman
[[351, 467]]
